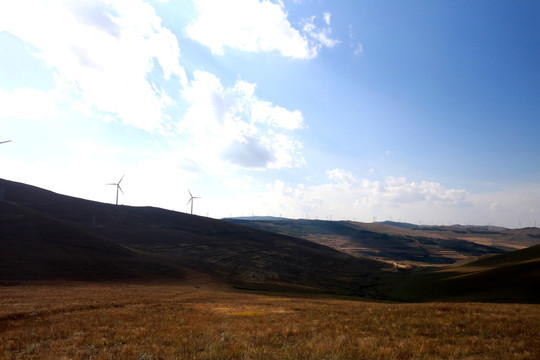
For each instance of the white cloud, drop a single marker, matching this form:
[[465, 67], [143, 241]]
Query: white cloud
[[344, 196], [327, 17], [103, 52], [358, 49], [356, 46], [256, 26], [28, 103], [319, 37], [400, 190], [235, 126]]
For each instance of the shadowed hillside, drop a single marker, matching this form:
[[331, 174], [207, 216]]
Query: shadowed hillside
[[509, 277], [109, 237], [36, 247]]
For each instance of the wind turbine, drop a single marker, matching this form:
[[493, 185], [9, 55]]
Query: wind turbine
[[117, 187], [2, 191], [191, 200]]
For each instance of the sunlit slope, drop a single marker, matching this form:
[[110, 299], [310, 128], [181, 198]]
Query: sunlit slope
[[242, 256], [381, 241], [509, 277]]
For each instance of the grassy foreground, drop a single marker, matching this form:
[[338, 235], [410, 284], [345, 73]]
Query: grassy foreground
[[164, 321]]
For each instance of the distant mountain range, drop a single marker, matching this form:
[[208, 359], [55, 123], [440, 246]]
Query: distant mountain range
[[48, 236]]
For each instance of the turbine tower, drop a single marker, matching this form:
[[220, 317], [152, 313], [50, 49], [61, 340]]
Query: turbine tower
[[117, 187], [191, 200], [2, 190]]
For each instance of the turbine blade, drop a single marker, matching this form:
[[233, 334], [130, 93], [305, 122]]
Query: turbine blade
[[121, 179], [190, 200], [120, 188], [3, 142], [111, 184], [190, 193]]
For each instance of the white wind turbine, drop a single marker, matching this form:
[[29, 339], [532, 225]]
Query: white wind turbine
[[2, 191], [191, 200], [117, 187]]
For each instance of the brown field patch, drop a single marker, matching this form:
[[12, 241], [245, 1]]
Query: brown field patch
[[160, 321]]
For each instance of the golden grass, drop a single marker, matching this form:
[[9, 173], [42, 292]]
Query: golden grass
[[121, 321]]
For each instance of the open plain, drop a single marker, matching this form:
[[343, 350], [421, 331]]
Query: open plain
[[78, 320]]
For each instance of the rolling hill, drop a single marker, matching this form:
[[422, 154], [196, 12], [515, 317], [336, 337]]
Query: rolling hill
[[34, 246], [51, 236], [403, 244], [509, 277], [48, 236]]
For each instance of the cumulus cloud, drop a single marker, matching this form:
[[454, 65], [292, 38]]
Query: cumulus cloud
[[395, 190], [105, 52], [401, 190], [345, 196], [256, 26], [232, 124]]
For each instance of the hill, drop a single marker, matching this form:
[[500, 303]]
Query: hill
[[509, 277], [76, 238], [36, 247], [48, 236], [403, 244]]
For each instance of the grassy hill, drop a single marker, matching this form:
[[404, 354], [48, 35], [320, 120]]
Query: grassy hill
[[509, 277], [34, 246], [404, 244], [48, 236]]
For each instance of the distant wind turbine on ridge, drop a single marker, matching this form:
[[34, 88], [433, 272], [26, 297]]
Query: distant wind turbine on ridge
[[191, 200], [117, 187]]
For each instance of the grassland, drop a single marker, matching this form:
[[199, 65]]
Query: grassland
[[208, 321]]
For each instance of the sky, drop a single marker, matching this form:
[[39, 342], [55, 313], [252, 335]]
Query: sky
[[417, 111]]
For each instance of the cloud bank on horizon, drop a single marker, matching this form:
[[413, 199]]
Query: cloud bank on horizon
[[260, 107]]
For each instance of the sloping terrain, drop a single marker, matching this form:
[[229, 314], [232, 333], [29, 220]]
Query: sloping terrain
[[401, 245], [47, 236], [36, 247], [508, 239], [68, 228], [509, 277]]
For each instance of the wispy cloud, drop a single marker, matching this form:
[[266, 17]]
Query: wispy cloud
[[256, 26], [355, 45], [319, 37]]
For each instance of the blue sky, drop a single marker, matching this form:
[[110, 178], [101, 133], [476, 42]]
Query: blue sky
[[419, 111]]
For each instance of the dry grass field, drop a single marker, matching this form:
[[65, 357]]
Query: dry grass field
[[187, 321]]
